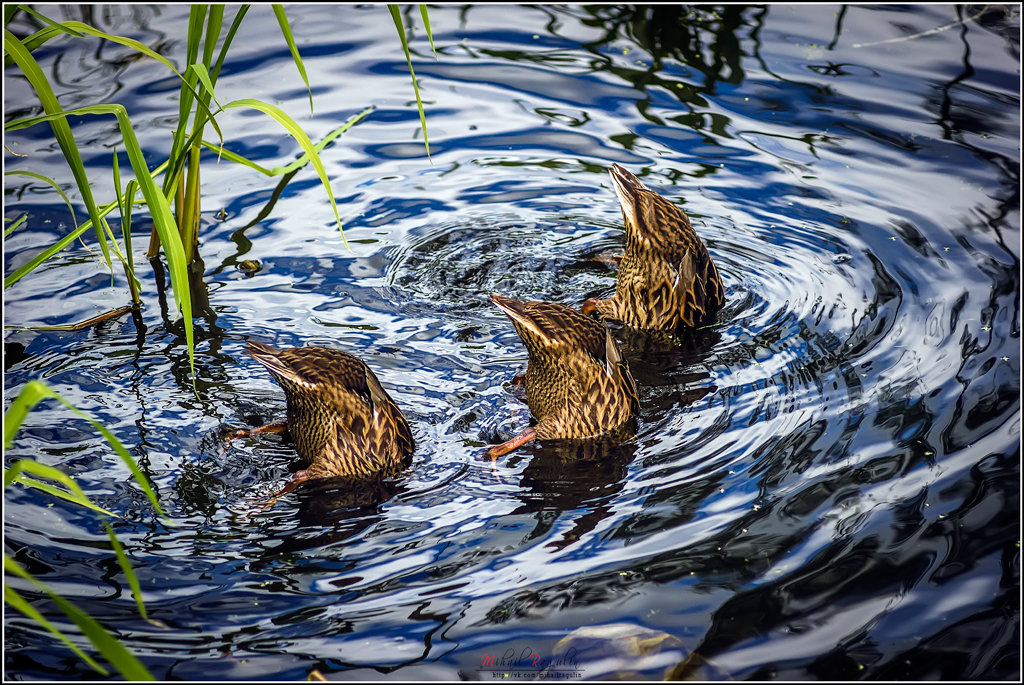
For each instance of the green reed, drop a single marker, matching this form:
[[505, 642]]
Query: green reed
[[175, 182], [32, 474]]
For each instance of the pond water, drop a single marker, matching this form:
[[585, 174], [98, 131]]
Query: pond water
[[825, 485]]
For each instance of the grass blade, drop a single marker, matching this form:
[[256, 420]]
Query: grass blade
[[17, 473], [426, 25], [124, 205], [14, 224], [18, 602], [160, 210], [228, 38], [61, 129], [80, 30], [32, 394], [40, 258], [107, 645], [298, 163], [46, 20], [302, 139], [287, 31], [397, 18], [51, 183], [129, 574]]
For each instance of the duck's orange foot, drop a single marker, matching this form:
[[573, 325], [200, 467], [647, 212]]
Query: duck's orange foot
[[608, 258], [279, 427], [589, 306], [297, 479], [519, 379], [506, 447]]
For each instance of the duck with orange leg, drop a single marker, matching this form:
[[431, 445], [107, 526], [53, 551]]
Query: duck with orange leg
[[666, 279], [577, 383], [340, 419]]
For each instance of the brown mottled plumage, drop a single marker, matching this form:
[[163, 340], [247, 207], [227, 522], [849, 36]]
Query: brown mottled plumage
[[340, 419], [577, 383], [666, 279]]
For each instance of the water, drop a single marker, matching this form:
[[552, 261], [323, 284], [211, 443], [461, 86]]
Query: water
[[825, 485]]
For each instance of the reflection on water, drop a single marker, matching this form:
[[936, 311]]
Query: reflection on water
[[824, 484]]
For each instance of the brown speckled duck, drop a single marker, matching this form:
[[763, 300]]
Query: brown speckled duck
[[666, 280], [340, 419], [577, 383]]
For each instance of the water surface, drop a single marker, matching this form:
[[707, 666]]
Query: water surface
[[822, 485]]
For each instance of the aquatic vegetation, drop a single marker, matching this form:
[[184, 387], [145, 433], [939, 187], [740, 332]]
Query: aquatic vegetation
[[32, 474], [170, 193], [177, 231]]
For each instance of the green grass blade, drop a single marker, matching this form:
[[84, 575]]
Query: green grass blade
[[426, 25], [129, 574], [32, 42], [287, 31], [124, 205], [16, 601], [303, 140], [397, 17], [61, 129], [228, 38], [187, 94], [204, 78], [14, 224], [107, 645], [126, 202], [298, 163], [163, 219], [159, 208], [27, 398], [213, 23], [203, 100], [196, 15], [40, 258], [51, 183], [35, 391], [49, 22], [80, 30], [18, 473]]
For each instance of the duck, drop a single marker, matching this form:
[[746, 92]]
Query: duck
[[577, 383], [339, 417], [666, 280]]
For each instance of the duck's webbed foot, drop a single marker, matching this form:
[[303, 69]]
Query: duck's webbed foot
[[608, 258], [299, 478], [518, 441]]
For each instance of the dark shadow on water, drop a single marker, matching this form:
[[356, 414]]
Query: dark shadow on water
[[574, 476], [333, 501]]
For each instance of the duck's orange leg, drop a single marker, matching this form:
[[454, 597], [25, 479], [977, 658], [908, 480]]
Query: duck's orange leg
[[518, 441], [608, 258], [279, 427], [297, 479]]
